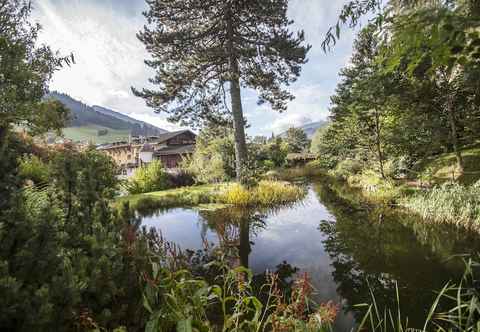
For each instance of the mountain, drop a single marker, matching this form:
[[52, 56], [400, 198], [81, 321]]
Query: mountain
[[309, 128], [100, 124]]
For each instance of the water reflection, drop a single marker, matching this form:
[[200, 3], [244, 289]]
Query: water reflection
[[345, 247]]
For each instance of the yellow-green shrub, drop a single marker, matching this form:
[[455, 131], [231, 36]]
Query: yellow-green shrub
[[237, 194], [152, 177], [266, 193]]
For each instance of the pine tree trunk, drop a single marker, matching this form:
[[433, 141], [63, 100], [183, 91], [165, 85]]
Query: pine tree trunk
[[239, 131], [237, 111], [453, 133]]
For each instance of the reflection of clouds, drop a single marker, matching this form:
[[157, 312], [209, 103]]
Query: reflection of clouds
[[180, 226]]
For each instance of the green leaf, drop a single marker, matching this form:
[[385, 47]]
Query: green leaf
[[185, 325], [146, 304]]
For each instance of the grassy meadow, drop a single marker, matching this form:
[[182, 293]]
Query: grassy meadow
[[90, 133]]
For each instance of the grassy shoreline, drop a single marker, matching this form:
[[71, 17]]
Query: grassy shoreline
[[184, 196], [448, 203], [264, 194]]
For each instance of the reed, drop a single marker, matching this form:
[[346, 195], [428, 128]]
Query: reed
[[449, 203]]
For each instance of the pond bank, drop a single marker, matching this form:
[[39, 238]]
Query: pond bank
[[264, 194], [448, 203]]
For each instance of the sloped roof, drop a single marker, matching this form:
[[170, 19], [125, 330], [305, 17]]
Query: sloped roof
[[165, 137], [171, 150]]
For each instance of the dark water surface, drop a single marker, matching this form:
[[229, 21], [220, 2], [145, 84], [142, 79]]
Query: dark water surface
[[346, 248]]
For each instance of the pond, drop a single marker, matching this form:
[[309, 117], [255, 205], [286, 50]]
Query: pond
[[346, 248]]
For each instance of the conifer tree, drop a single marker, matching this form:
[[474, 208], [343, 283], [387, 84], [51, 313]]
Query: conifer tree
[[201, 48]]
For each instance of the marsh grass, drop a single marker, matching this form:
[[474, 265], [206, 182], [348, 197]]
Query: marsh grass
[[449, 203], [265, 193]]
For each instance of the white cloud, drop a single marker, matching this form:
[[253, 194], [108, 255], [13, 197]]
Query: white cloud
[[156, 120], [109, 58], [288, 121]]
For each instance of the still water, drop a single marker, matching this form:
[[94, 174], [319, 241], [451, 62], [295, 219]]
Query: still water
[[346, 248]]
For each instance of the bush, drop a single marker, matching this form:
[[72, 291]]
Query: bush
[[398, 167], [152, 177], [268, 164], [102, 132], [347, 167], [33, 168], [181, 178]]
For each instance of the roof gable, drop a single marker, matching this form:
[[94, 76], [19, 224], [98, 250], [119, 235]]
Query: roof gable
[[165, 137]]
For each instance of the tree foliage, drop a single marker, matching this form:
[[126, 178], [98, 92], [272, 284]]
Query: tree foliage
[[149, 178], [26, 69], [408, 93], [296, 140]]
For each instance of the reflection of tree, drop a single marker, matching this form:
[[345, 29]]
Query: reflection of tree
[[233, 227], [371, 249]]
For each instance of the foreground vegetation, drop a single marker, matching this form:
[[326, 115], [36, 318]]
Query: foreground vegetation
[[449, 203]]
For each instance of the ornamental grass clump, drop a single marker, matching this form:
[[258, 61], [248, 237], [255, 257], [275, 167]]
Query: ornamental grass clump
[[237, 194], [269, 193], [449, 203], [265, 193]]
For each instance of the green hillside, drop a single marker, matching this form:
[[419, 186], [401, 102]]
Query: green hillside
[[441, 168], [90, 133], [85, 122]]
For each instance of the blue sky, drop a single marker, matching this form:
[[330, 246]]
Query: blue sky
[[109, 59]]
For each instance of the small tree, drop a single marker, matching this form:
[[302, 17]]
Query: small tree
[[214, 157], [296, 139], [200, 46]]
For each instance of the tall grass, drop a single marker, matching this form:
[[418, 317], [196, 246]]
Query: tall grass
[[449, 203], [266, 193]]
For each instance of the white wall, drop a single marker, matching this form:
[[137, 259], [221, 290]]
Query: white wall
[[146, 157]]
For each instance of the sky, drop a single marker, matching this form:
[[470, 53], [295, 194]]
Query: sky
[[101, 34]]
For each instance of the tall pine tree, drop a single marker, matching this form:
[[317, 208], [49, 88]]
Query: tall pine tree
[[200, 48]]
